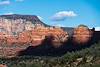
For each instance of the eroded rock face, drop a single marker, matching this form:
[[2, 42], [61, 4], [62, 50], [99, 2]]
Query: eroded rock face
[[59, 39], [14, 24], [11, 45], [17, 32], [82, 35], [26, 29]]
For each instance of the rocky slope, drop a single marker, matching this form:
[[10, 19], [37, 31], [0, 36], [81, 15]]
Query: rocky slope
[[17, 32], [13, 24], [26, 30], [33, 18], [17, 23]]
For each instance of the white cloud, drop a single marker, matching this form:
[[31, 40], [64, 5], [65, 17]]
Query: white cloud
[[5, 2], [9, 13], [19, 0], [63, 15], [97, 28], [40, 17]]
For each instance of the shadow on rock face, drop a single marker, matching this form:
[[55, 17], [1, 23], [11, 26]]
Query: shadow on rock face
[[46, 48]]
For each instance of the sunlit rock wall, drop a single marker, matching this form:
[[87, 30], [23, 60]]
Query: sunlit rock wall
[[82, 35]]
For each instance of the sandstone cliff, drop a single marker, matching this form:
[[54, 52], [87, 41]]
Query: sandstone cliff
[[27, 29]]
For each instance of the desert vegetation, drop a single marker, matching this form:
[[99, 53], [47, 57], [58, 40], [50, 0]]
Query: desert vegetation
[[88, 57]]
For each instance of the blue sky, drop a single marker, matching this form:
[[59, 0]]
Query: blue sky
[[68, 13]]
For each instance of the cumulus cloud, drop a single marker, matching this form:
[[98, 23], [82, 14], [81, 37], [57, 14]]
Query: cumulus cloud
[[63, 15], [5, 2]]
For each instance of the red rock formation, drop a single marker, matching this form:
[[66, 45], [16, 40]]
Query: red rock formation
[[82, 34], [35, 36], [24, 37], [58, 34], [11, 40], [25, 29]]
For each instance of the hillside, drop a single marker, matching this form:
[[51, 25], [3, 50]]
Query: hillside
[[26, 34], [33, 18], [17, 23]]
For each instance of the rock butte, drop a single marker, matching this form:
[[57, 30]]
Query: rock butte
[[82, 34], [34, 37], [17, 32]]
